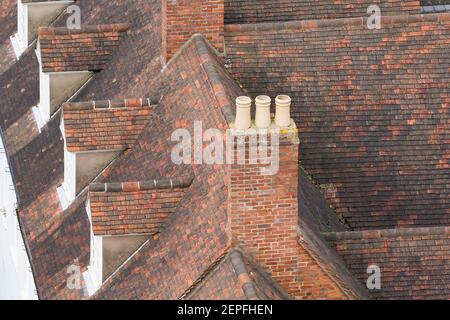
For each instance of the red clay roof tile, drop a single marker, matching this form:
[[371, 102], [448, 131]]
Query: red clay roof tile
[[85, 49], [261, 11], [131, 208], [370, 105], [413, 262], [198, 232], [105, 125]]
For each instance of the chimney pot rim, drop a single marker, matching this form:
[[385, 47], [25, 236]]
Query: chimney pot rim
[[243, 101], [263, 101], [283, 99]]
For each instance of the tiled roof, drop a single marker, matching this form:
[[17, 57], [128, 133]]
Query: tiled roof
[[435, 8], [259, 11], [135, 67], [135, 279], [371, 107], [312, 205], [134, 208], [8, 22], [7, 56], [433, 2], [414, 263], [236, 276], [56, 239], [192, 258], [199, 91], [314, 217], [105, 125], [85, 49], [23, 78], [8, 19]]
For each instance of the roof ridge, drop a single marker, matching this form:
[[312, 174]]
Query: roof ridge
[[239, 264], [110, 104], [385, 233], [244, 279], [303, 25], [202, 46], [236, 257], [140, 185], [54, 31]]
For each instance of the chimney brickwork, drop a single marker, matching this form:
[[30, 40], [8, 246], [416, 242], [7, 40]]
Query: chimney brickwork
[[264, 211], [264, 220], [183, 18]]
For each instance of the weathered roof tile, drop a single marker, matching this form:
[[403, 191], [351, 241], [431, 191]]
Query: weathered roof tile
[[414, 263], [131, 208], [371, 108], [260, 11], [105, 125], [85, 49]]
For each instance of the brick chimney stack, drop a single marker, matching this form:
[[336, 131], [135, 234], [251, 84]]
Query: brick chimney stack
[[263, 209], [183, 18]]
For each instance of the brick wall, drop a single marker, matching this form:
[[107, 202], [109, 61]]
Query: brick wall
[[183, 18], [263, 214]]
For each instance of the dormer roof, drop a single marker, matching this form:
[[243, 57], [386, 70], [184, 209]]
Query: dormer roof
[[134, 208], [105, 125], [85, 49]]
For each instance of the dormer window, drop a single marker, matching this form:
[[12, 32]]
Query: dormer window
[[119, 228], [56, 88], [33, 14], [68, 58], [95, 133]]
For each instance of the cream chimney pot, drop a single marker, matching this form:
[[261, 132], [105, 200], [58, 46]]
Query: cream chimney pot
[[243, 113], [283, 112], [263, 119]]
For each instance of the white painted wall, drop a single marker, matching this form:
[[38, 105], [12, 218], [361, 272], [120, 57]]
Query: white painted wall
[[31, 16], [16, 278], [70, 178], [44, 95], [81, 168], [22, 26], [93, 277], [56, 88]]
